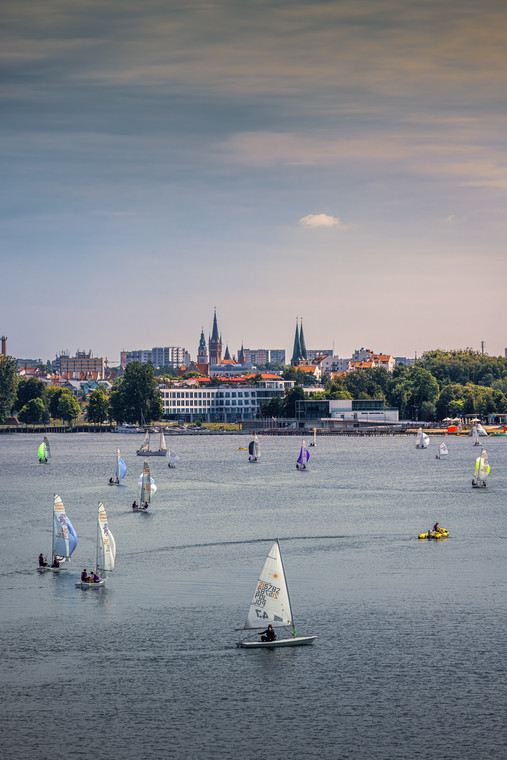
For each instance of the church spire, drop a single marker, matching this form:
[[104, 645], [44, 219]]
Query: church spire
[[296, 353], [302, 344]]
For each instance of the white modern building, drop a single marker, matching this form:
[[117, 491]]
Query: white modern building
[[223, 404], [167, 356]]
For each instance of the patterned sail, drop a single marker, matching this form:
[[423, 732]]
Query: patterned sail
[[482, 468], [60, 529], [44, 452], [106, 545], [173, 457], [121, 467], [304, 454], [443, 450], [270, 603]]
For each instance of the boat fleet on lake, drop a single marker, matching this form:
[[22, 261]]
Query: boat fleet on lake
[[270, 608]]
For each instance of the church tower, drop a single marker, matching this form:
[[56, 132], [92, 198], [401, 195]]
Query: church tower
[[202, 352], [215, 343], [302, 343], [296, 351]]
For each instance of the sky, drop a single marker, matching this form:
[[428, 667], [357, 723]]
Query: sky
[[343, 161]]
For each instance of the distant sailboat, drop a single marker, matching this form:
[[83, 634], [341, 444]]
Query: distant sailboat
[[145, 450], [173, 458], [44, 452], [422, 440], [481, 470], [254, 450], [314, 442], [106, 551], [443, 451], [304, 456], [475, 435], [63, 538], [121, 470], [147, 488], [271, 606]]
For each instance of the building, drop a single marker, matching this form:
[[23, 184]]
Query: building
[[362, 358], [80, 366], [167, 356], [343, 414], [227, 403], [202, 351], [256, 356]]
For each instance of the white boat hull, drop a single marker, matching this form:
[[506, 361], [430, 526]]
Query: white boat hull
[[83, 584], [295, 641], [151, 453], [51, 569]]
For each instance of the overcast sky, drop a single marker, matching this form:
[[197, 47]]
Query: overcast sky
[[341, 161]]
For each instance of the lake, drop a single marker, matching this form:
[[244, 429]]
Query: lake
[[410, 656]]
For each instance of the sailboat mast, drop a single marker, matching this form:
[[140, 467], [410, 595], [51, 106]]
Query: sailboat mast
[[53, 531]]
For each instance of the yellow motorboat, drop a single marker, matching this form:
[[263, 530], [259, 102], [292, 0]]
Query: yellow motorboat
[[436, 534]]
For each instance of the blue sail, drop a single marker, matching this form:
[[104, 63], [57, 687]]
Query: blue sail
[[121, 469], [72, 537], [304, 456]]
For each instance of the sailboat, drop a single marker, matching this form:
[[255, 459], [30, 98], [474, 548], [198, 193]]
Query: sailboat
[[145, 450], [173, 458], [147, 490], [254, 450], [270, 605], [475, 435], [304, 456], [314, 442], [106, 551], [44, 452], [443, 451], [481, 470], [422, 440], [63, 539], [121, 470]]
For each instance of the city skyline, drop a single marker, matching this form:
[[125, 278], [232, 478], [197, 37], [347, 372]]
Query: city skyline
[[342, 162]]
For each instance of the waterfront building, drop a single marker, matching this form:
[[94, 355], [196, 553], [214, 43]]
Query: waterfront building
[[80, 366], [337, 414], [227, 403]]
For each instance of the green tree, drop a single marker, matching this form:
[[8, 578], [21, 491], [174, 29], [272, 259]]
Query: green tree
[[273, 408], [137, 399], [98, 407], [33, 412], [28, 390], [68, 407], [289, 402], [53, 399], [8, 385]]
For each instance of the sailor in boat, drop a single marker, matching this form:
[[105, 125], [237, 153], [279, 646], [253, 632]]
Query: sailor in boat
[[84, 576], [145, 505], [268, 634], [134, 505], [56, 562], [42, 561]]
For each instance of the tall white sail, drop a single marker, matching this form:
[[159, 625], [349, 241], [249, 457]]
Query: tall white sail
[[60, 530], [475, 435], [270, 603], [173, 457], [443, 450], [106, 545], [257, 447], [421, 440], [145, 446], [147, 484], [163, 447]]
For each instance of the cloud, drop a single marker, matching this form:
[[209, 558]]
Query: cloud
[[320, 220]]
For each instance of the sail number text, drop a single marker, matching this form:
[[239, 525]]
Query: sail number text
[[264, 590]]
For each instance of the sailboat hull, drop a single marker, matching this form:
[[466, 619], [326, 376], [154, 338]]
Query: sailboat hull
[[295, 641], [151, 453], [83, 584], [48, 568]]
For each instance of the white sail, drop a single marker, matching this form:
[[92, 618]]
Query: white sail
[[480, 430], [421, 440], [270, 603], [145, 446], [173, 457], [482, 467], [163, 447], [106, 545], [257, 447], [60, 529], [475, 435], [443, 450], [147, 484]]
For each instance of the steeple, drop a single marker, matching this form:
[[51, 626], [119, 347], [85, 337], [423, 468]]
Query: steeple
[[202, 351], [215, 343], [227, 354], [302, 345], [296, 353]]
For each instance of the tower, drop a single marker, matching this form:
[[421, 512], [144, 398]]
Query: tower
[[202, 352], [302, 343], [215, 343]]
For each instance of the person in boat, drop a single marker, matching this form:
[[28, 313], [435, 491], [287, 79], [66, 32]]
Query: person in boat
[[95, 578], [268, 634], [42, 561], [111, 481], [145, 505], [134, 505], [436, 528], [56, 562], [84, 576]]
